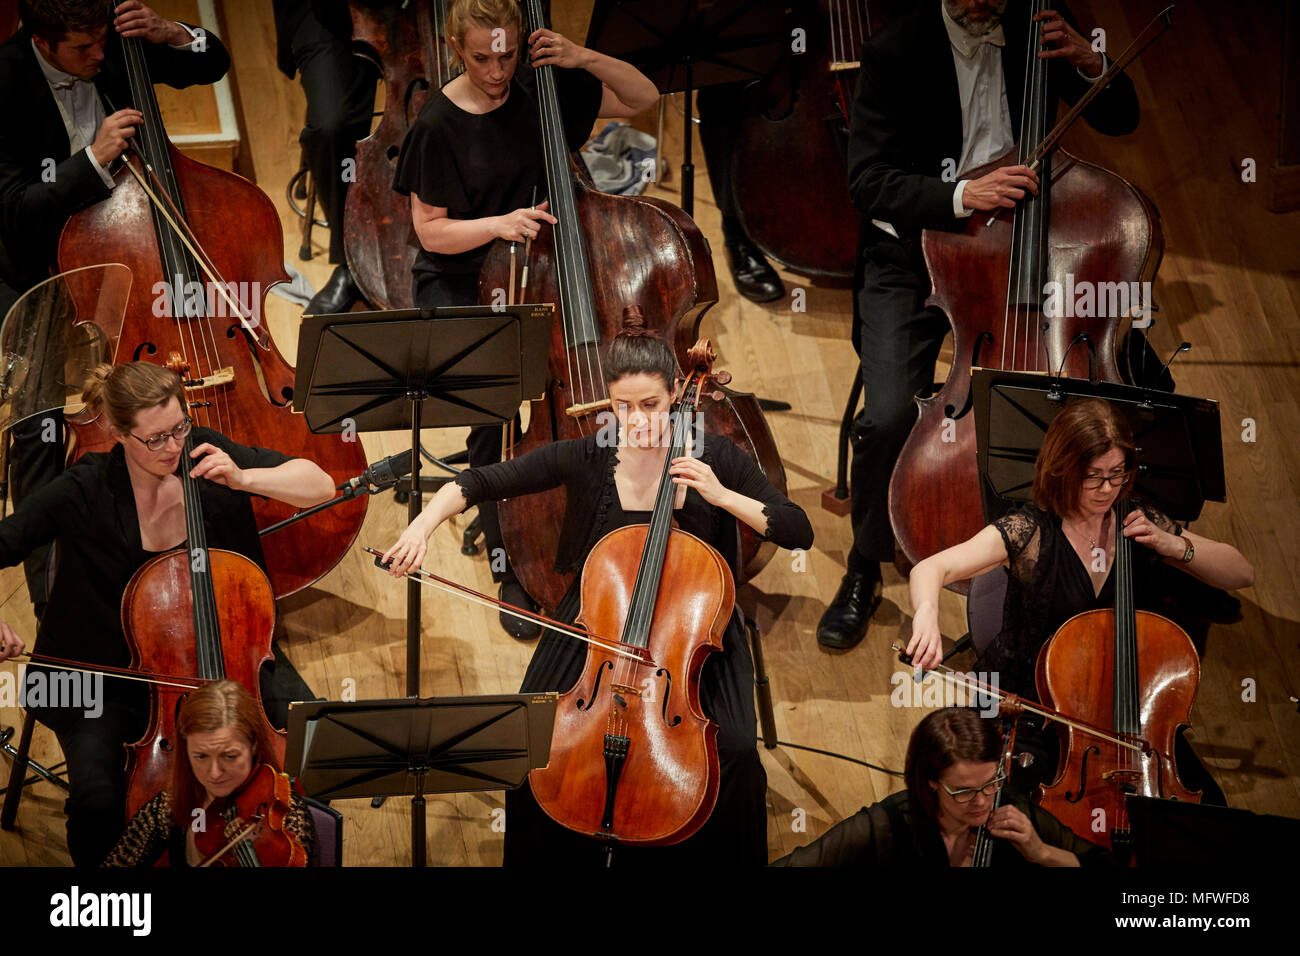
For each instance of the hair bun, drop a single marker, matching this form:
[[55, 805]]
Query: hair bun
[[633, 322]]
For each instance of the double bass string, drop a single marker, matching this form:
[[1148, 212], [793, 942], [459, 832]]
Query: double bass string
[[179, 267]]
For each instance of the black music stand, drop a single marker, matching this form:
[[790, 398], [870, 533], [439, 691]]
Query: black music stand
[[1180, 449], [419, 368], [1178, 833], [373, 748], [686, 44]]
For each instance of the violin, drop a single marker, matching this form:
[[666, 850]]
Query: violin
[[204, 247], [983, 852], [1134, 673], [247, 828], [607, 254], [633, 759], [196, 611], [989, 279], [407, 43]]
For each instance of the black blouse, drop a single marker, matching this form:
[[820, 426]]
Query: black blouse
[[487, 164], [888, 834], [586, 470], [90, 510], [1048, 585]]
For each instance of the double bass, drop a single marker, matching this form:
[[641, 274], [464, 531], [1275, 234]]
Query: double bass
[[198, 611], [606, 254], [1133, 673], [408, 45], [799, 119], [1086, 225], [204, 247]]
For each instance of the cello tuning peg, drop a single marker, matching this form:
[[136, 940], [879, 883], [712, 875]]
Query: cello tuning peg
[[716, 395], [722, 378], [1024, 759]]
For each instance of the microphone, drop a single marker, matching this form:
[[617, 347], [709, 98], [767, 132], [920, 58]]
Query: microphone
[[387, 471]]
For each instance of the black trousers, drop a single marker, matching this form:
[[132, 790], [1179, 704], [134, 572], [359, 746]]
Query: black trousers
[[484, 442], [897, 340], [340, 90], [720, 109]]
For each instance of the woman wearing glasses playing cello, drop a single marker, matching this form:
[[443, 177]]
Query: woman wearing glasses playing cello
[[953, 777], [1059, 550], [110, 513]]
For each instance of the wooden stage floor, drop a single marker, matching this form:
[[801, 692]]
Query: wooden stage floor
[[1229, 284]]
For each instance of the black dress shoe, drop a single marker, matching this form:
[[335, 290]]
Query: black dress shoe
[[339, 294], [845, 622], [755, 279], [512, 592]]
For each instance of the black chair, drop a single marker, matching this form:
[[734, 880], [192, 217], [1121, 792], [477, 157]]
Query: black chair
[[328, 824]]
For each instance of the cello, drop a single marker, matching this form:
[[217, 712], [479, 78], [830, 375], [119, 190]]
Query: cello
[[204, 247], [633, 758], [1134, 673], [193, 610], [606, 254], [1086, 225], [408, 45]]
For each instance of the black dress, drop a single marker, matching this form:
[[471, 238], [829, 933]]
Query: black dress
[[483, 164], [1049, 584], [736, 832], [888, 834]]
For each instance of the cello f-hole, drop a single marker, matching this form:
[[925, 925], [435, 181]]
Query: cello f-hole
[[144, 348], [668, 690], [595, 690], [1083, 775]]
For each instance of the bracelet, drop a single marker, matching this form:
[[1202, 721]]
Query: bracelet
[[1189, 553]]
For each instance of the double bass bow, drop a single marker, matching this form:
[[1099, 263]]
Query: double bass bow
[[204, 247], [1134, 673], [605, 255], [1086, 225]]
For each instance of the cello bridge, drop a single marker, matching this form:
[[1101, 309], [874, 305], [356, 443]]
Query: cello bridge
[[221, 376]]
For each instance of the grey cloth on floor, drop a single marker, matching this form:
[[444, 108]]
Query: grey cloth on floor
[[297, 290], [621, 159]]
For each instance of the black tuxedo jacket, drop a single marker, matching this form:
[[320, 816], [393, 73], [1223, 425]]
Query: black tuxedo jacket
[[907, 116], [32, 210]]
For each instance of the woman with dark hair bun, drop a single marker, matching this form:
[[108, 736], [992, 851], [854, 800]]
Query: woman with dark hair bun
[[1059, 550], [611, 478], [952, 776]]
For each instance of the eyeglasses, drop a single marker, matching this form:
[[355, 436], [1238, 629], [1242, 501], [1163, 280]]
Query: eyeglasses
[[158, 442], [968, 794], [1093, 482]]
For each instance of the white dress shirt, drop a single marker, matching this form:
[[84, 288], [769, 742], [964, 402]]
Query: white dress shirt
[[985, 117], [80, 106]]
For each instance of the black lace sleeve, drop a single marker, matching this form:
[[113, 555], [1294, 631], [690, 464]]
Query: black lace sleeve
[[787, 524], [146, 835]]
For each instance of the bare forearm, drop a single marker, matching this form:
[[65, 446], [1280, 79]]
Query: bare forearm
[[629, 84], [451, 236], [297, 482], [748, 510], [447, 502], [1214, 562]]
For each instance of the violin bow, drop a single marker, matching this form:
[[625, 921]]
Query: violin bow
[[959, 679], [640, 655]]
